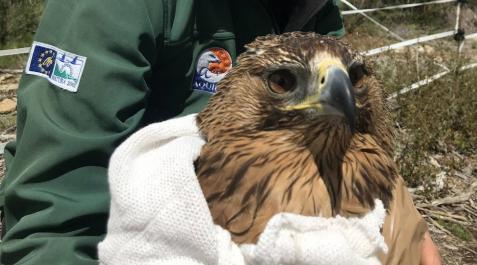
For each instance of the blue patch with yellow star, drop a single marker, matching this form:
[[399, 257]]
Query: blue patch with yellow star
[[42, 60], [61, 68]]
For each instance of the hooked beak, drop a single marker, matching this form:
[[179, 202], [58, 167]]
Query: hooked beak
[[337, 92], [333, 94]]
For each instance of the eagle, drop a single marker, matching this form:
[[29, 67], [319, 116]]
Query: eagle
[[299, 125]]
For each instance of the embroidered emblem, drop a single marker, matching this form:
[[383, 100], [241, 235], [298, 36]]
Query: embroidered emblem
[[212, 65], [61, 68]]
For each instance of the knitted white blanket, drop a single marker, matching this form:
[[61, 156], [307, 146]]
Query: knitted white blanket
[[159, 214]]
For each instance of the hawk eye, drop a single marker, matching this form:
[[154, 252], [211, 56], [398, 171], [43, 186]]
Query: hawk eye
[[281, 81], [356, 71]]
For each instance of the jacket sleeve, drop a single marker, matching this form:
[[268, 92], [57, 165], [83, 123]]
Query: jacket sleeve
[[55, 195]]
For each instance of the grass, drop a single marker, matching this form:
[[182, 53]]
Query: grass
[[7, 121], [13, 62], [457, 230], [18, 22], [436, 18], [439, 118]]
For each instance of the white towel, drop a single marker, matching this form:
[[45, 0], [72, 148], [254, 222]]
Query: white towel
[[159, 215]]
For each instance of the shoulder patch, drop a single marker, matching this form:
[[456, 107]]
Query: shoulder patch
[[59, 67], [212, 65]]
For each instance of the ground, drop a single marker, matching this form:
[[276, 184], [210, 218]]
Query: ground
[[436, 125]]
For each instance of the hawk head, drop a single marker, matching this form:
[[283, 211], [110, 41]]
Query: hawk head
[[303, 91], [300, 82]]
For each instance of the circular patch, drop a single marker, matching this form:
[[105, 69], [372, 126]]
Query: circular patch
[[46, 62], [212, 65]]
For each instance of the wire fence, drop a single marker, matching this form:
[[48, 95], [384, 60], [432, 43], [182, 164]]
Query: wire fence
[[17, 51], [356, 11], [458, 33]]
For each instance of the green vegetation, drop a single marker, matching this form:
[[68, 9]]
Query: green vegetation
[[457, 230], [410, 20], [18, 22], [436, 118], [7, 120], [439, 118]]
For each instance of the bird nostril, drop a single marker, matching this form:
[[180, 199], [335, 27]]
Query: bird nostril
[[322, 80]]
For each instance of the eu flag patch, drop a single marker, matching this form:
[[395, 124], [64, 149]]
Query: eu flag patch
[[42, 60], [59, 67]]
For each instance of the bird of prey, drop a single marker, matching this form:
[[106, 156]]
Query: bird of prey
[[299, 125]]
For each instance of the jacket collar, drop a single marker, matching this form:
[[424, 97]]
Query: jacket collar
[[301, 12]]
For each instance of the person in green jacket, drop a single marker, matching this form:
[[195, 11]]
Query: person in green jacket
[[97, 72]]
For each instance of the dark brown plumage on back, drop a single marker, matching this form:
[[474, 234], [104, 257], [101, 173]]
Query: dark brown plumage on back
[[299, 125]]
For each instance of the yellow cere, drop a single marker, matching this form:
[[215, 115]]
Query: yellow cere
[[309, 102], [312, 101], [325, 64]]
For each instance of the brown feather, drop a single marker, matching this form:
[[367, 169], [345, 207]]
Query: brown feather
[[260, 160]]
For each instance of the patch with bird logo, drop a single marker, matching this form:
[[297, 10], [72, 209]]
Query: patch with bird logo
[[212, 65], [59, 67]]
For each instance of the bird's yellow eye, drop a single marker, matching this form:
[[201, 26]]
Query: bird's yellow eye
[[281, 81]]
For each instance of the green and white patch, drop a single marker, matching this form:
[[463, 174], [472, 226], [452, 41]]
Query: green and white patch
[[61, 68]]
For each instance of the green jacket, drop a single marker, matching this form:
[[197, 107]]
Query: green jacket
[[130, 63]]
